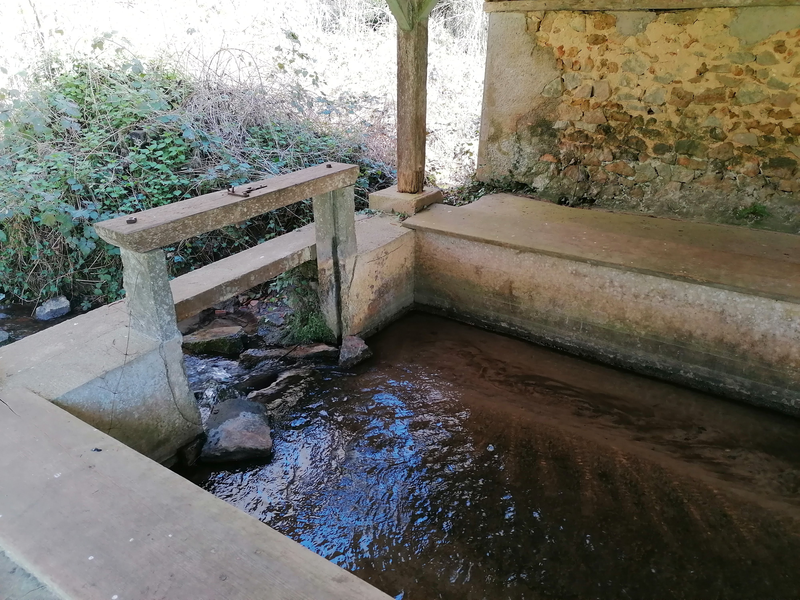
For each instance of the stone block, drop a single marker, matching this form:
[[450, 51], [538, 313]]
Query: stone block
[[745, 139], [602, 90], [750, 95], [390, 200], [766, 58]]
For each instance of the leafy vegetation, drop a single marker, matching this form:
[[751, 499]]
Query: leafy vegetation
[[93, 141], [305, 324], [752, 213]]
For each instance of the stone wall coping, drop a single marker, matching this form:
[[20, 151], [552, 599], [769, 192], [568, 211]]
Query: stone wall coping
[[158, 227], [757, 263], [491, 6]]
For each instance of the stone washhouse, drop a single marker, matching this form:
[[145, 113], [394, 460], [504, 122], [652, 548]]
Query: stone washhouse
[[683, 110]]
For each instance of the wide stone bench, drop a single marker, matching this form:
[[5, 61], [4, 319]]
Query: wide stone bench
[[709, 306]]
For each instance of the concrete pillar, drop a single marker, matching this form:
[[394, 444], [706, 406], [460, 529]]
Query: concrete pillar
[[151, 406], [148, 294], [334, 219]]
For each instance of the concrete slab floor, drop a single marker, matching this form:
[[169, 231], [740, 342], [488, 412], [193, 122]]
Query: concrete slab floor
[[99, 521], [17, 584]]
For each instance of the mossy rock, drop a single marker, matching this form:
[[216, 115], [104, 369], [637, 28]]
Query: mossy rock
[[219, 341]]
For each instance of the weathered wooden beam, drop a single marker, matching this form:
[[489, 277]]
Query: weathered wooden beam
[[165, 225], [623, 5], [412, 98]]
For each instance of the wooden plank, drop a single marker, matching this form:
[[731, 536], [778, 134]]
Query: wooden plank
[[114, 524], [223, 279], [165, 225], [622, 5], [412, 77]]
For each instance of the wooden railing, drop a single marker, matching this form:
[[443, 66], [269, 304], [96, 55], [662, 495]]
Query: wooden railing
[[141, 236]]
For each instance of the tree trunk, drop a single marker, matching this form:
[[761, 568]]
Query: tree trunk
[[412, 96]]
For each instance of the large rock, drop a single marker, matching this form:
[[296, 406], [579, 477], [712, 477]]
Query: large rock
[[237, 430], [52, 309], [221, 341], [353, 351]]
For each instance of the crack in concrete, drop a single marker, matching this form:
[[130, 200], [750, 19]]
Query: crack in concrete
[[173, 394]]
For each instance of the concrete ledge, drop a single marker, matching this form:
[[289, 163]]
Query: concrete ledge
[[390, 200], [762, 263], [94, 520], [532, 269]]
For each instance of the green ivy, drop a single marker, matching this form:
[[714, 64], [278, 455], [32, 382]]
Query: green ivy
[[96, 141]]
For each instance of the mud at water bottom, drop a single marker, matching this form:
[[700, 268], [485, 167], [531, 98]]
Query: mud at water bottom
[[461, 464]]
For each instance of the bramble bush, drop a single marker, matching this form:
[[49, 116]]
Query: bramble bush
[[92, 141]]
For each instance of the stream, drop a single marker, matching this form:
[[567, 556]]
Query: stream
[[461, 464]]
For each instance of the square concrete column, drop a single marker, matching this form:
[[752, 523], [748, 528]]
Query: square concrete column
[[334, 219], [148, 294]]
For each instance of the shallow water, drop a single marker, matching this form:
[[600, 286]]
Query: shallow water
[[18, 321], [460, 464]]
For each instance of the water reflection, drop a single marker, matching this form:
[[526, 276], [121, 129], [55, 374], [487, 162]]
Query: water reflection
[[431, 486]]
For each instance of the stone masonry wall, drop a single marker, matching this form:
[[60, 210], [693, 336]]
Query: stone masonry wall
[[692, 113]]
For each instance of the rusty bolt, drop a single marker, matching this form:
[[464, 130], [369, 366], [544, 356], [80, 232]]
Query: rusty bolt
[[329, 165], [131, 220]]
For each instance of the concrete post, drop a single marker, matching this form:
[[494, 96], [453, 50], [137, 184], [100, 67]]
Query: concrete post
[[334, 219], [148, 294]]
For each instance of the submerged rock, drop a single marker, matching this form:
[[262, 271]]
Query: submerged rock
[[322, 353], [318, 353], [284, 381], [52, 309], [260, 377], [255, 356], [237, 430], [354, 350], [284, 392], [222, 341]]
